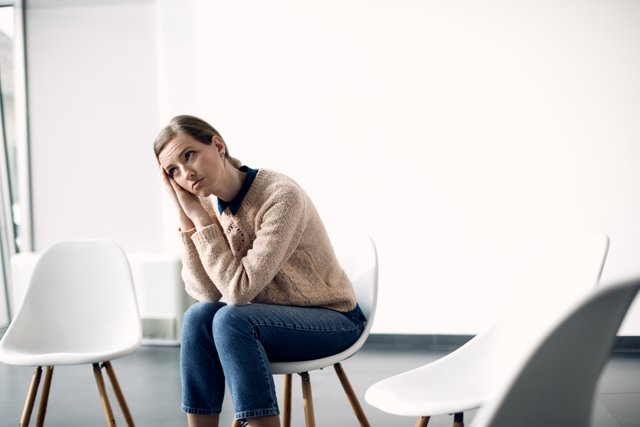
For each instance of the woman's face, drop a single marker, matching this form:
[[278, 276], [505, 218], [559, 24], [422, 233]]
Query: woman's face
[[196, 167]]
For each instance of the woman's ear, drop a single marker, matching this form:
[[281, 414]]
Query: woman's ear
[[219, 143]]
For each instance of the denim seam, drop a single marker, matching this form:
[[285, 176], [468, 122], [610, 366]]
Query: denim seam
[[265, 412], [298, 328], [268, 375], [198, 411]]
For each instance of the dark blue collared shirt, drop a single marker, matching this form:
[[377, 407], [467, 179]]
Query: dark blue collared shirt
[[234, 205]]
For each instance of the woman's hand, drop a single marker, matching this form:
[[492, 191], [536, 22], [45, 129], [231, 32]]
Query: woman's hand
[[189, 208]]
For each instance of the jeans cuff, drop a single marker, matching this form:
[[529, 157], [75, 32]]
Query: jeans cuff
[[267, 412], [199, 411]]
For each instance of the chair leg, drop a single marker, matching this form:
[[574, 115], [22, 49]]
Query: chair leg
[[307, 399], [106, 407], [31, 397], [353, 399], [44, 397], [118, 392], [422, 421], [286, 411], [458, 419]]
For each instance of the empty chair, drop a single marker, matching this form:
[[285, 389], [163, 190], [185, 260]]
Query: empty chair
[[554, 386], [80, 308], [565, 270], [358, 258]]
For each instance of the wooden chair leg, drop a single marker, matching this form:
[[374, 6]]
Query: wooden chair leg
[[286, 411], [106, 407], [458, 419], [353, 399], [422, 421], [307, 399], [31, 397], [118, 392], [44, 397]]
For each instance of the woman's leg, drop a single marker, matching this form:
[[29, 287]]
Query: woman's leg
[[247, 337], [200, 369], [194, 420]]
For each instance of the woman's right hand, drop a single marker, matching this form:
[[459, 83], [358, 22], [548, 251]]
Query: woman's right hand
[[170, 188]]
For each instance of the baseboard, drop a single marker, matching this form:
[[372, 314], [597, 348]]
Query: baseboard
[[436, 342], [627, 344], [420, 342]]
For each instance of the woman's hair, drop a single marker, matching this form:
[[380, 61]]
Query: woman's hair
[[200, 130]]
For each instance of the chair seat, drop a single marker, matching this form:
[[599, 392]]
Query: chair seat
[[406, 395], [281, 368], [454, 382], [26, 358]]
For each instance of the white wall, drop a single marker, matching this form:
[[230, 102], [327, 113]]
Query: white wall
[[92, 76], [460, 135]]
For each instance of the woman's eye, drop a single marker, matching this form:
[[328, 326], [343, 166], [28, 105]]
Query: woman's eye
[[188, 155], [172, 171]]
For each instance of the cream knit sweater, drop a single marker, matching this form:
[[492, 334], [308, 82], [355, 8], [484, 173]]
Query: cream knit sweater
[[274, 250]]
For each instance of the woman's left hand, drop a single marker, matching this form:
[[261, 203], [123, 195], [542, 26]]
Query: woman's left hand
[[191, 205], [188, 205]]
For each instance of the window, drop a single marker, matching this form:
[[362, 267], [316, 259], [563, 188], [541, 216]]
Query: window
[[13, 151]]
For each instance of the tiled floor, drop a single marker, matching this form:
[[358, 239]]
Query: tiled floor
[[151, 383]]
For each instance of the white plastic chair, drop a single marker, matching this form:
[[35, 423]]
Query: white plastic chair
[[357, 256], [464, 379], [555, 385], [80, 307]]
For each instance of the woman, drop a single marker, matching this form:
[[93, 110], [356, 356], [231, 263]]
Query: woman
[[257, 258]]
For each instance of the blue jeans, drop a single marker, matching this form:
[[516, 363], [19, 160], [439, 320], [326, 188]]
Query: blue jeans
[[237, 342]]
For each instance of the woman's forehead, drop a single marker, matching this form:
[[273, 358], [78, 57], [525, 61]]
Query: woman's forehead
[[174, 148]]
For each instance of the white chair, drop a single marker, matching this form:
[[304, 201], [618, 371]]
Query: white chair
[[80, 307], [555, 385], [463, 380], [357, 256]]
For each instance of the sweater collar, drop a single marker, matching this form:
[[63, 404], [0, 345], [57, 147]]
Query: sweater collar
[[234, 205]]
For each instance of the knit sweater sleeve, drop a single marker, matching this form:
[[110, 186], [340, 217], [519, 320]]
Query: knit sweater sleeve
[[196, 281], [240, 279]]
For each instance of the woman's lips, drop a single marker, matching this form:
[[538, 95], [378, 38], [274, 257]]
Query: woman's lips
[[196, 184]]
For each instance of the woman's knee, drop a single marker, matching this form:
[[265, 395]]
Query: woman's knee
[[199, 316], [230, 321]]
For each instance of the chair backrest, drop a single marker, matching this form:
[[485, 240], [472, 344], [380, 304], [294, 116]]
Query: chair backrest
[[565, 270], [555, 385], [80, 298], [358, 257]]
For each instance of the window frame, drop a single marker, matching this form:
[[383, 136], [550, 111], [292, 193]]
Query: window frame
[[8, 243]]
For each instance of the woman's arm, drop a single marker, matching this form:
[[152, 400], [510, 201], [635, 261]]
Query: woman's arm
[[197, 282], [239, 280]]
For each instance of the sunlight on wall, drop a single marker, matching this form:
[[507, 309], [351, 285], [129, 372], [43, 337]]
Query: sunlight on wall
[[460, 135]]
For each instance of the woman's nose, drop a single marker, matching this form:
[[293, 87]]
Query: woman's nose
[[189, 173]]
